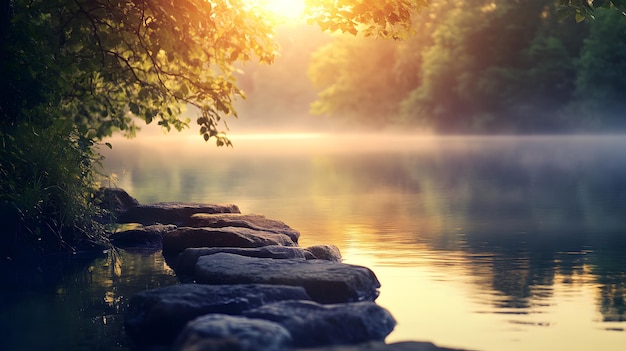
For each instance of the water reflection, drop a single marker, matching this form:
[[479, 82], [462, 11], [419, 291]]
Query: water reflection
[[81, 305], [481, 242]]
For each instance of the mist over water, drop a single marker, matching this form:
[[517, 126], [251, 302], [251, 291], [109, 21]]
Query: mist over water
[[480, 242]]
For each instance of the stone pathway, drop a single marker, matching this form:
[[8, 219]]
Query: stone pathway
[[247, 285]]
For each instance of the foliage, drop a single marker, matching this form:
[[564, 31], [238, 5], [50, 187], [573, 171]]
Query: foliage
[[101, 64], [76, 71], [371, 70], [585, 9], [480, 66], [381, 18], [46, 175], [601, 78]]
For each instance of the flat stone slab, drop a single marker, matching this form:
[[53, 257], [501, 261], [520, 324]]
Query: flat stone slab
[[324, 281], [379, 346], [185, 263], [155, 317], [250, 221], [180, 239], [224, 332], [176, 213], [312, 324]]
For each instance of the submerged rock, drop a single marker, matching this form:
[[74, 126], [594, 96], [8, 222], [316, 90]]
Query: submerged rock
[[144, 236], [116, 200], [324, 281], [185, 263], [325, 252], [180, 239], [226, 333], [170, 212], [255, 222], [155, 317], [312, 324]]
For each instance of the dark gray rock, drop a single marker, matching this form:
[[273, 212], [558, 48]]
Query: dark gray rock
[[116, 200], [180, 239], [325, 252], [324, 281], [170, 212], [379, 346], [185, 263], [227, 333], [151, 236], [256, 222], [312, 324], [155, 317]]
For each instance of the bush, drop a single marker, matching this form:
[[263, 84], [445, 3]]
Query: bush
[[47, 181]]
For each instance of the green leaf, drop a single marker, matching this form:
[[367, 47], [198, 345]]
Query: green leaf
[[109, 145], [134, 108], [148, 116]]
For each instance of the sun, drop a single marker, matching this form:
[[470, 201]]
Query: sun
[[283, 10]]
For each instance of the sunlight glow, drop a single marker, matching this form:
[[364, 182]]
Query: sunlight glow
[[284, 10]]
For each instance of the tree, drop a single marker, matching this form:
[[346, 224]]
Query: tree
[[601, 78], [356, 81], [476, 66], [76, 71], [101, 64]]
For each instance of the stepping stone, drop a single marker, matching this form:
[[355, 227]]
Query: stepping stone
[[180, 239], [185, 263], [256, 222], [155, 317], [324, 281], [312, 324], [170, 212], [223, 332]]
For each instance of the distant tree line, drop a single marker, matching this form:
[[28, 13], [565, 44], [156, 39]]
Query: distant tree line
[[480, 66]]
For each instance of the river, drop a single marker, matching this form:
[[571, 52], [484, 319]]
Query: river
[[480, 242]]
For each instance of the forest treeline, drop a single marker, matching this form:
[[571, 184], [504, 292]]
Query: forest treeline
[[471, 66], [479, 66]]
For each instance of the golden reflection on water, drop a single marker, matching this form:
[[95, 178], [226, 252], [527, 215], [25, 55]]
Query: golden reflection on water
[[447, 304], [479, 243]]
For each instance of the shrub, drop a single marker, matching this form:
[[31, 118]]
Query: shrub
[[47, 181]]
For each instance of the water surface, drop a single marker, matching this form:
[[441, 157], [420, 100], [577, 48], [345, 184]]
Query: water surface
[[489, 243], [483, 243]]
